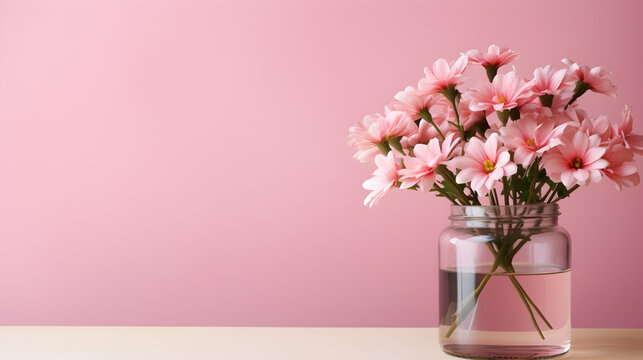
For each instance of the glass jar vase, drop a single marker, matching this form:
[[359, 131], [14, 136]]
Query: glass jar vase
[[505, 280]]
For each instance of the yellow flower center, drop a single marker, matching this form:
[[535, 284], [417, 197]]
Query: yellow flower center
[[577, 163], [531, 142], [488, 166], [502, 99]]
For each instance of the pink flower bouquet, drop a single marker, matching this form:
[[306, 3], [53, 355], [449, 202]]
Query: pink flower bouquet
[[509, 141]]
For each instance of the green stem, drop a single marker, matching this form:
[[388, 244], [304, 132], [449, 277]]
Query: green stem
[[471, 297], [579, 90], [502, 258], [452, 94], [437, 128], [532, 185], [426, 115], [491, 248], [464, 304], [515, 195], [445, 194], [544, 197], [492, 201], [520, 245], [495, 197], [519, 287], [538, 190], [524, 293], [450, 178], [553, 194], [568, 193], [531, 313]]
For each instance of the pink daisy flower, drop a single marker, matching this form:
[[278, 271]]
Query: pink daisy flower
[[531, 136], [419, 169], [442, 75], [574, 116], [414, 101], [558, 103], [360, 137], [576, 161], [495, 56], [621, 169], [599, 126], [425, 133], [505, 92], [623, 132], [374, 128], [483, 164], [548, 81], [384, 178], [594, 78]]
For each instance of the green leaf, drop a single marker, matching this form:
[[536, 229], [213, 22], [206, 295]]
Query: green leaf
[[448, 188], [522, 186], [562, 191]]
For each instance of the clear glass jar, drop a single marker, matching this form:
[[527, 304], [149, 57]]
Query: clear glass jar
[[505, 281]]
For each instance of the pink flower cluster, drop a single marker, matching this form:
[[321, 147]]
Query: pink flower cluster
[[525, 138]]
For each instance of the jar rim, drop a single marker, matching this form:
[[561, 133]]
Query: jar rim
[[533, 211], [506, 206]]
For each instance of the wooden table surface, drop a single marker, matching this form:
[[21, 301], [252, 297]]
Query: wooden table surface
[[233, 343]]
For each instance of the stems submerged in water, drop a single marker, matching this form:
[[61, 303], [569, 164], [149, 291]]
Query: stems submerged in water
[[503, 258]]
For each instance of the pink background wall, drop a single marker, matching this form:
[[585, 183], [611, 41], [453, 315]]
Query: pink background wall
[[183, 162]]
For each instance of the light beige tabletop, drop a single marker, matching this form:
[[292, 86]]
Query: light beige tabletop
[[195, 343]]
